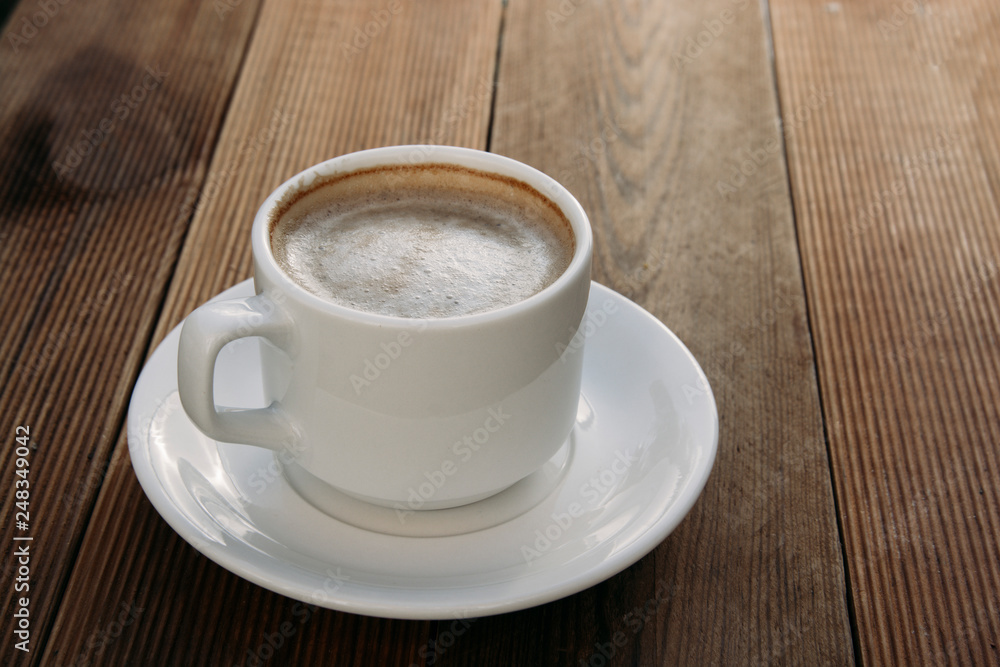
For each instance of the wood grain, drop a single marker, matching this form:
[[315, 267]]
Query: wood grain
[[663, 118], [107, 118], [895, 183], [650, 134], [426, 76]]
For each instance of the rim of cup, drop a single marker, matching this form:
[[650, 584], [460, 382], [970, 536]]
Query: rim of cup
[[420, 154]]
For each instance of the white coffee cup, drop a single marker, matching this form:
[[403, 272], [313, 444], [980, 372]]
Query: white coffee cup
[[377, 406]]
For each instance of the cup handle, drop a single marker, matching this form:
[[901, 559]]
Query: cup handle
[[206, 331]]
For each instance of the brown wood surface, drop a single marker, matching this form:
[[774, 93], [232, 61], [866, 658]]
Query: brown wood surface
[[426, 77], [877, 245], [895, 183], [598, 99], [87, 251]]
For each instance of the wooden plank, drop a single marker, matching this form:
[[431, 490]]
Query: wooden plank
[[425, 76], [107, 118], [612, 99], [895, 183]]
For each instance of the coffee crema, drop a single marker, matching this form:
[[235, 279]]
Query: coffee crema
[[427, 241]]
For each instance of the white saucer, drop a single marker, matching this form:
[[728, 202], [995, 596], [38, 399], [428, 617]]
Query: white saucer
[[642, 448]]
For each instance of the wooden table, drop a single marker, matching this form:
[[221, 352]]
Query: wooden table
[[805, 192]]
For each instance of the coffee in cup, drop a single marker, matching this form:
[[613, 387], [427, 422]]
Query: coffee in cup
[[429, 240]]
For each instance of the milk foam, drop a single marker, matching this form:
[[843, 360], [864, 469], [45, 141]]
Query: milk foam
[[424, 249]]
